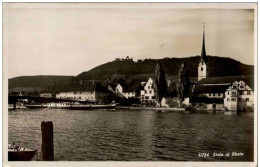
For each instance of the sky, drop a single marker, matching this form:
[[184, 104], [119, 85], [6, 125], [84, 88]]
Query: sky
[[67, 39]]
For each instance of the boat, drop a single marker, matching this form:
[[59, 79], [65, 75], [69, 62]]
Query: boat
[[64, 105], [16, 153], [93, 106], [32, 106]]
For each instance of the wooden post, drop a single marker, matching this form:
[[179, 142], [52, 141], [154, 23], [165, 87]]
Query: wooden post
[[15, 105], [47, 141]]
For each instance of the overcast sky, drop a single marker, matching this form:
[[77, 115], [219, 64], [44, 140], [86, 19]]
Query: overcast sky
[[69, 39]]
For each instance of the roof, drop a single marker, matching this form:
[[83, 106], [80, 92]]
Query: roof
[[204, 99], [131, 86], [82, 87], [210, 88], [248, 79]]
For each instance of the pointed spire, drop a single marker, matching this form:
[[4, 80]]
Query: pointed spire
[[203, 50]]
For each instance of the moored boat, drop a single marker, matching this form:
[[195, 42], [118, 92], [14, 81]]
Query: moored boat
[[92, 106], [16, 153], [36, 106], [64, 105]]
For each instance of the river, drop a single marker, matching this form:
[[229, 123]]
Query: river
[[135, 135]]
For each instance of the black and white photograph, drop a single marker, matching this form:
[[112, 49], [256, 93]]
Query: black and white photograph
[[119, 82]]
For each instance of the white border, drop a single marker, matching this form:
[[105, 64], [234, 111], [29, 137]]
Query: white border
[[137, 164]]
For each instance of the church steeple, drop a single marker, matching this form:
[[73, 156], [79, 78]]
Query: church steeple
[[203, 50], [202, 68]]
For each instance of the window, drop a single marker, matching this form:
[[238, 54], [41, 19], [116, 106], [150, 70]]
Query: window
[[248, 92], [150, 92], [218, 94], [145, 92], [146, 97], [79, 97], [213, 94], [247, 99], [209, 94], [235, 87], [234, 93], [228, 99], [201, 68], [241, 92], [228, 93], [148, 87], [233, 99], [241, 87], [239, 99], [153, 97]]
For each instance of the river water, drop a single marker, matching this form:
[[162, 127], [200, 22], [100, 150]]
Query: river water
[[135, 135]]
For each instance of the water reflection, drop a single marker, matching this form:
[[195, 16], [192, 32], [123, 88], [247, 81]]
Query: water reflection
[[135, 135]]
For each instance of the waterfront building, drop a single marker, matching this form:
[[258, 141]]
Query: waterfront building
[[83, 91], [128, 89], [148, 94]]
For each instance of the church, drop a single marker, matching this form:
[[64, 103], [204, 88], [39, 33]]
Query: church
[[233, 93]]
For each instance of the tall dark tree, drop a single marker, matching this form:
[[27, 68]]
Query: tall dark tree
[[160, 83], [183, 85]]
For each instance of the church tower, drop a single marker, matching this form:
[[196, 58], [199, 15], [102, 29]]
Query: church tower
[[202, 69]]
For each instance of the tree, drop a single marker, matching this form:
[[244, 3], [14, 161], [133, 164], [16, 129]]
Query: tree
[[183, 85], [160, 83]]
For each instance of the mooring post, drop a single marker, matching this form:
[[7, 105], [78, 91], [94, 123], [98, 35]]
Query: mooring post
[[47, 141], [14, 105]]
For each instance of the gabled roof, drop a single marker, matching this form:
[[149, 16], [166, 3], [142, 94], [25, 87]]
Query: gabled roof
[[204, 99], [132, 86], [209, 89], [219, 80], [248, 79]]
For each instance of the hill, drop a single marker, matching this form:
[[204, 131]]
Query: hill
[[217, 66], [35, 83]]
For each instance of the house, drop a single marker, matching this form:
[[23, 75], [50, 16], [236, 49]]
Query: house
[[148, 94], [129, 89], [83, 91]]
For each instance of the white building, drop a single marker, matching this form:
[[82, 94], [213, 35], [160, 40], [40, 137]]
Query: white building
[[239, 95], [128, 89], [148, 95], [88, 91]]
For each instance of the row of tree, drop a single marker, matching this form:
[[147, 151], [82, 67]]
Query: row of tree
[[183, 85]]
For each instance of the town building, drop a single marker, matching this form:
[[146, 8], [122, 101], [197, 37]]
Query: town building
[[129, 89], [90, 91], [148, 94]]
